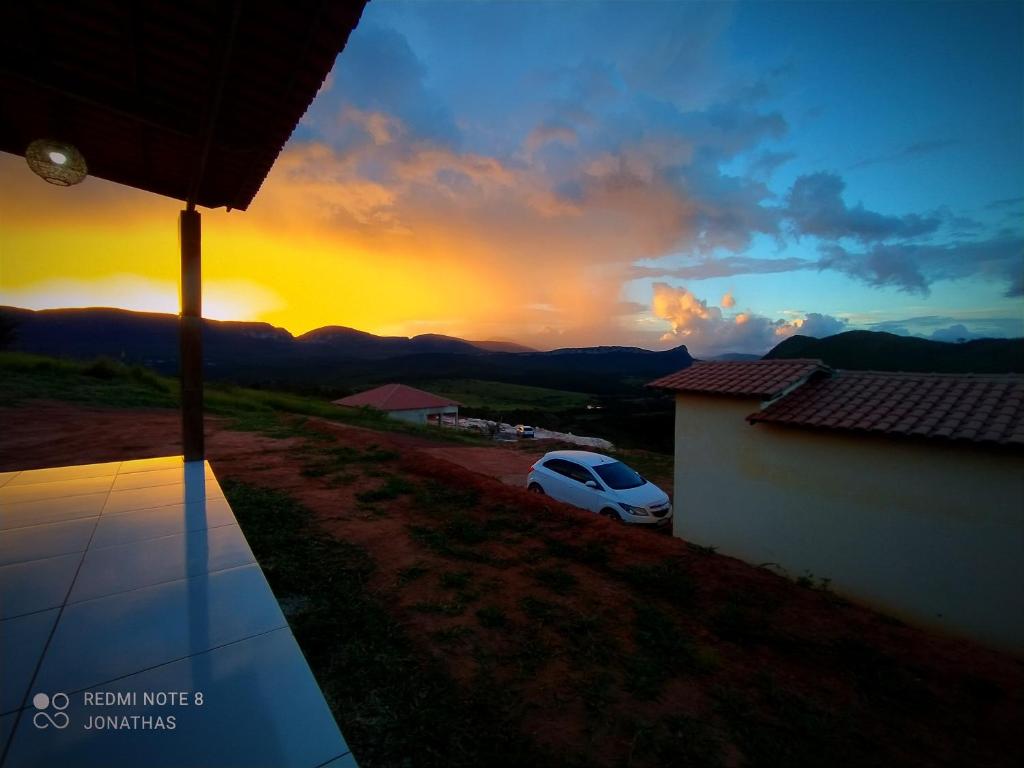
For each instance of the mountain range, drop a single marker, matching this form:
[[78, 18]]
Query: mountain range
[[340, 358], [261, 353]]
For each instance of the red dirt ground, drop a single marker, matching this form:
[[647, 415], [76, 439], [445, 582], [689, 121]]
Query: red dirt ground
[[963, 703]]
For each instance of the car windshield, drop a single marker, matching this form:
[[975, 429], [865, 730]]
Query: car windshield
[[618, 476]]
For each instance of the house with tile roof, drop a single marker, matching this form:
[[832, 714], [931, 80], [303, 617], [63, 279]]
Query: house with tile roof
[[404, 403], [905, 491]]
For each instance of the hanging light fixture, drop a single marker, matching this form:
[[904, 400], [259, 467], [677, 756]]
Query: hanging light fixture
[[56, 162]]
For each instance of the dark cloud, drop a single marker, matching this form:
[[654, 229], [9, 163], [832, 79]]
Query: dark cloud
[[380, 73], [916, 149], [912, 267], [766, 163], [1006, 202], [815, 206], [723, 266], [946, 328]]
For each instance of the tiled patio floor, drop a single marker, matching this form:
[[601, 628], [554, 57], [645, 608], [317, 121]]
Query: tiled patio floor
[[133, 578]]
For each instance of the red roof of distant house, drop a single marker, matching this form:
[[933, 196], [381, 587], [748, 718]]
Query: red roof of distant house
[[756, 378], [395, 397], [986, 409]]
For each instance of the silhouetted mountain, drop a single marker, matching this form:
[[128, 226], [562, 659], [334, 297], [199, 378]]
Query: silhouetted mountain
[[502, 346], [877, 351], [339, 340], [259, 353]]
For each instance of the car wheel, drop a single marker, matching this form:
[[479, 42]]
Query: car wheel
[[535, 488], [611, 514]]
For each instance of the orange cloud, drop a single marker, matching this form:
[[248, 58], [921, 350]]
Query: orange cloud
[[728, 302]]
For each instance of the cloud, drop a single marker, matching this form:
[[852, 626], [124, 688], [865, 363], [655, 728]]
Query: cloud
[[380, 73], [728, 302], [703, 268], [228, 299], [815, 207], [766, 163], [913, 268], [953, 333], [707, 331], [820, 326], [946, 328], [908, 152], [1006, 202]]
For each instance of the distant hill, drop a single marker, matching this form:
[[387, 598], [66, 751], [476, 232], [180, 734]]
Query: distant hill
[[877, 351], [259, 353], [502, 346]]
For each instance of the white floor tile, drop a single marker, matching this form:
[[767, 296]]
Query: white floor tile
[[100, 640], [161, 521], [35, 542], [159, 496], [56, 489], [53, 474], [22, 513], [36, 585], [141, 563], [148, 465], [127, 481], [261, 707], [23, 640]]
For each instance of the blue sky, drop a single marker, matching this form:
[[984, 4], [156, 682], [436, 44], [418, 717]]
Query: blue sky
[[859, 163]]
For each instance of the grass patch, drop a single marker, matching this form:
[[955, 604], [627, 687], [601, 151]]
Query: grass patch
[[392, 488], [668, 579], [111, 383], [557, 579], [455, 579], [663, 650], [411, 574], [395, 706], [538, 610], [498, 396], [491, 617]]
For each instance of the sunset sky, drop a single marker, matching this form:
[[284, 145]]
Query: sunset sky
[[717, 175]]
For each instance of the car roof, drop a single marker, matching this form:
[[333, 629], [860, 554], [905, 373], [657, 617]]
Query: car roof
[[588, 458]]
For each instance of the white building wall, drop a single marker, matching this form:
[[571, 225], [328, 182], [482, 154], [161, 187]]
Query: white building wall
[[929, 532], [419, 416]]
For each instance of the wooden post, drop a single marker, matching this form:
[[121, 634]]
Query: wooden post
[[191, 335]]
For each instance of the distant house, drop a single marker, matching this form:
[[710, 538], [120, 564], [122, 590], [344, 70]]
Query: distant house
[[404, 403], [904, 490]]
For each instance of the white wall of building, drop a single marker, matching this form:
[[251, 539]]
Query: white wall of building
[[931, 533], [419, 416]]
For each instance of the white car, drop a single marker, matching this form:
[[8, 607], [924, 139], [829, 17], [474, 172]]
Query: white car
[[524, 430], [600, 484]]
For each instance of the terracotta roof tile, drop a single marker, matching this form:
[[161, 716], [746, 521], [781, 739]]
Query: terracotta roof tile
[[395, 397], [757, 378], [976, 408]]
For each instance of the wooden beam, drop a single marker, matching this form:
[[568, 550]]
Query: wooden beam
[[191, 335]]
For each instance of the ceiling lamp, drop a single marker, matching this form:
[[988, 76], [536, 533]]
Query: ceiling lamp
[[56, 162]]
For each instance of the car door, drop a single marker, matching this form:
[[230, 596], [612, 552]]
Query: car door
[[557, 483], [582, 495]]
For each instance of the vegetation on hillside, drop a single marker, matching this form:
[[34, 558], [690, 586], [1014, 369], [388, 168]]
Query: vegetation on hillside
[[876, 351], [108, 383]]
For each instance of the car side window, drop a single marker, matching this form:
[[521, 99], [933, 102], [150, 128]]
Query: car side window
[[561, 466], [580, 474]]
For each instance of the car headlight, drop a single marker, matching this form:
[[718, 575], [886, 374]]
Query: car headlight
[[633, 510]]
